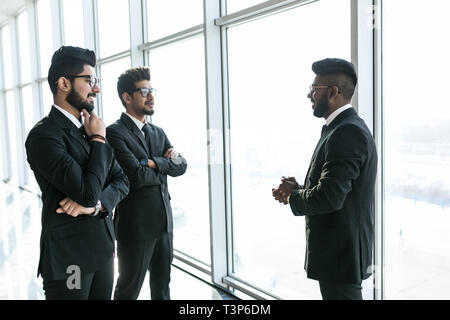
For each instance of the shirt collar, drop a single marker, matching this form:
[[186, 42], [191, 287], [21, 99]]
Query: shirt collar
[[336, 113], [70, 116], [138, 123]]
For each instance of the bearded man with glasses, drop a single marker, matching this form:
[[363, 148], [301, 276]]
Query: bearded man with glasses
[[80, 180], [143, 220]]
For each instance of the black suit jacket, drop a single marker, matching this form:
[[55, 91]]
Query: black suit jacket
[[65, 164], [337, 200], [146, 211]]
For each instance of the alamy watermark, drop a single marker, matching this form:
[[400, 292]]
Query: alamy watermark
[[74, 279]]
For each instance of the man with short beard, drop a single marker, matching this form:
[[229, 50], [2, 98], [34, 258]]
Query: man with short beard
[[143, 220], [337, 195], [80, 180]]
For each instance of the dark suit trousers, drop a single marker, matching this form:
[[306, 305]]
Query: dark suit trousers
[[336, 291], [135, 258], [97, 285]]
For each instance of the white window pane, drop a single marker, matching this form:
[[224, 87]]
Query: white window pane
[[28, 108], [47, 97], [73, 23], [11, 110], [7, 59], [3, 139], [24, 47], [110, 72], [417, 149], [177, 73], [269, 77], [45, 35], [114, 26], [166, 17], [237, 5]]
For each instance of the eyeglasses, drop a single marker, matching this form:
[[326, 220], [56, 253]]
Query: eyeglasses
[[313, 87], [93, 80], [146, 91]]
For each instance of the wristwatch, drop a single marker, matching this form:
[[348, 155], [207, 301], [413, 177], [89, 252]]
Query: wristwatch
[[97, 208], [144, 162]]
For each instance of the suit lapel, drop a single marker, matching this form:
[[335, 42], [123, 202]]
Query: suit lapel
[[326, 133], [130, 125], [69, 128]]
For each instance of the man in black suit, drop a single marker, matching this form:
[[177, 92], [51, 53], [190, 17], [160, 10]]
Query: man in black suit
[[80, 181], [337, 195], [143, 220]]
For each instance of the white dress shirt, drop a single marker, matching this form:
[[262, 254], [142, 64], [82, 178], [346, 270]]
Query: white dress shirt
[[336, 113], [70, 116], [137, 122]]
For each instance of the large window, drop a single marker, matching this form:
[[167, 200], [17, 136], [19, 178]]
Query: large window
[[11, 111], [112, 107], [170, 16], [7, 59], [236, 5], [24, 47], [73, 23], [45, 34], [114, 26], [269, 76], [180, 110], [417, 150]]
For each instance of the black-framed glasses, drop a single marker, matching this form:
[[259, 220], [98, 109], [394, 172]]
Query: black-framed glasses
[[313, 87], [93, 80], [146, 91]]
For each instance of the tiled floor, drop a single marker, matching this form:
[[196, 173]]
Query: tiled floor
[[20, 225]]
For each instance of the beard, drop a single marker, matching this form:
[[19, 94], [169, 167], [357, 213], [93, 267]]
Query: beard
[[77, 101], [149, 113], [321, 108]]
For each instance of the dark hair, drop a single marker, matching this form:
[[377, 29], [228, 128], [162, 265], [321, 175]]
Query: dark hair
[[336, 67], [68, 61], [127, 80]]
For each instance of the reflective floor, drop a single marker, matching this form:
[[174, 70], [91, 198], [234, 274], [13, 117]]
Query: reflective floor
[[20, 215]]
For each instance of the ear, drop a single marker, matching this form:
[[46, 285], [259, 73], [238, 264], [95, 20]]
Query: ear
[[126, 97], [334, 92], [64, 84]]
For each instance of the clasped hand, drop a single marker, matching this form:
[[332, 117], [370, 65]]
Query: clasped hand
[[72, 208], [284, 189]]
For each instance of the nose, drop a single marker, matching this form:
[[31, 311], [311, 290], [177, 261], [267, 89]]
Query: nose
[[96, 89]]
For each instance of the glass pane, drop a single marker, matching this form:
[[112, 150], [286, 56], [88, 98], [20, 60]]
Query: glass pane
[[417, 150], [12, 133], [28, 108], [237, 5], [110, 72], [24, 47], [3, 139], [114, 27], [45, 35], [178, 74], [73, 23], [268, 87], [47, 97], [7, 59], [166, 17]]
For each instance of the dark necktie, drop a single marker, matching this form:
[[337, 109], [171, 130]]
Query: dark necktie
[[323, 129], [83, 132], [146, 129]]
